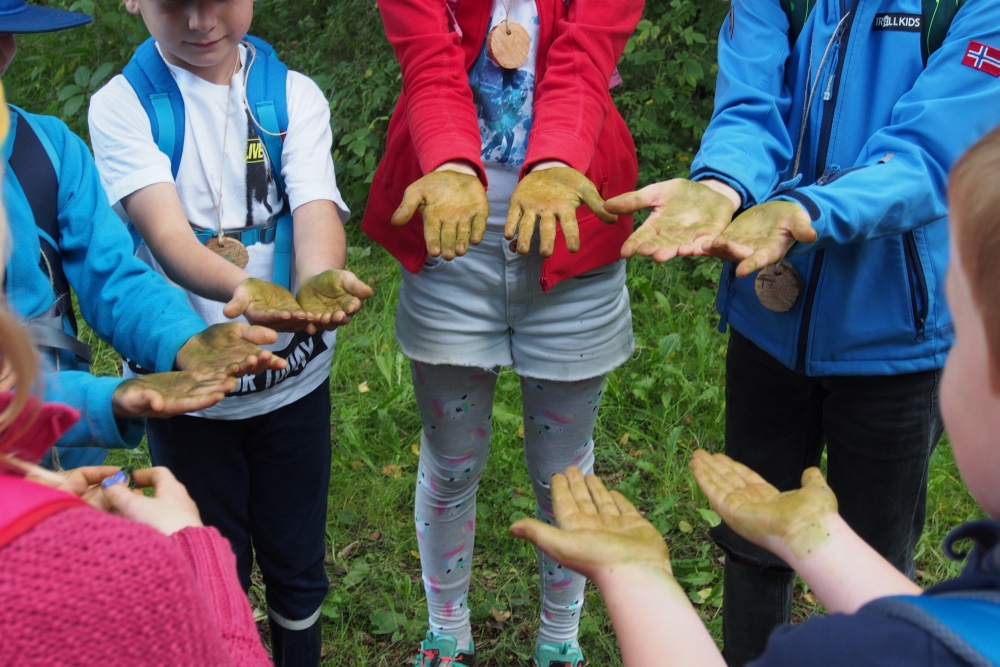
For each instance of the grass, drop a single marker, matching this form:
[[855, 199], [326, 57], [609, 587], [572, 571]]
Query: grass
[[658, 407]]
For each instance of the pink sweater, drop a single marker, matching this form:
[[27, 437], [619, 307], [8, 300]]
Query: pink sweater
[[83, 587], [88, 588]]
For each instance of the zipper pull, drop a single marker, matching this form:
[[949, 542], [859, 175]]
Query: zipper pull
[[828, 91]]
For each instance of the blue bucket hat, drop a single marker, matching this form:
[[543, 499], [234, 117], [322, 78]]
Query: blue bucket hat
[[16, 16]]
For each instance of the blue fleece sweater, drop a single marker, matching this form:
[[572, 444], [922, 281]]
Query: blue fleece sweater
[[869, 159], [127, 304]]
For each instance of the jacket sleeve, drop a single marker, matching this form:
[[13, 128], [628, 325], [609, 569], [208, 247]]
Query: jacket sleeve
[[900, 179], [214, 567], [123, 300], [440, 111], [572, 99], [92, 397], [747, 144]]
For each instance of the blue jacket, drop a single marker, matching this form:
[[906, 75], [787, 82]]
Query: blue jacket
[[125, 302], [881, 135]]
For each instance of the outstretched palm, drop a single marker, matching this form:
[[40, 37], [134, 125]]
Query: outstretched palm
[[333, 297], [597, 530], [757, 510]]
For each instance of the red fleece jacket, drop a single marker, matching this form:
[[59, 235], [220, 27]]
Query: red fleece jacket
[[574, 119]]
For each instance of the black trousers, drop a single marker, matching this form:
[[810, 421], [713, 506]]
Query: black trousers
[[879, 432], [263, 482]]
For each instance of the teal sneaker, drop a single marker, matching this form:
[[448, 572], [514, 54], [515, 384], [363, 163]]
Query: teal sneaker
[[557, 655], [443, 652]]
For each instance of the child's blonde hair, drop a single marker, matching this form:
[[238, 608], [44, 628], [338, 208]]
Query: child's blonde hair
[[974, 200]]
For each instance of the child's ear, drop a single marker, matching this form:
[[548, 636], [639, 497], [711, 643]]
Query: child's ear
[[132, 6]]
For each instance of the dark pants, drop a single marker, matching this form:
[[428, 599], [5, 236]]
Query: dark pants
[[879, 432], [263, 483]]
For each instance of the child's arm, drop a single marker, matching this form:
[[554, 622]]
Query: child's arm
[[157, 214], [332, 294], [603, 537], [803, 528]]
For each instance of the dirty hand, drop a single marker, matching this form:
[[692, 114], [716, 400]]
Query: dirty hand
[[231, 348], [269, 305], [454, 207], [762, 235], [334, 296], [685, 215], [758, 511], [168, 511], [598, 530], [169, 394], [81, 482], [548, 196]]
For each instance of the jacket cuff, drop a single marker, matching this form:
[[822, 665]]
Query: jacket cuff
[[706, 172], [166, 356], [449, 148], [560, 146]]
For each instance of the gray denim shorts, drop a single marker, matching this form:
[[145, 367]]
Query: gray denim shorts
[[487, 309]]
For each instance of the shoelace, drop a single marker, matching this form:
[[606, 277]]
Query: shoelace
[[436, 659]]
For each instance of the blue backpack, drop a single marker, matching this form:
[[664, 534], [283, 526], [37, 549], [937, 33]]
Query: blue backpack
[[967, 622], [157, 90]]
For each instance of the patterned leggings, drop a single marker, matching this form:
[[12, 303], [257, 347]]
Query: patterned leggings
[[456, 409]]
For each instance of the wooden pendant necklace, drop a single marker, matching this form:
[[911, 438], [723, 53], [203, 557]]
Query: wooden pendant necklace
[[508, 43], [228, 248]]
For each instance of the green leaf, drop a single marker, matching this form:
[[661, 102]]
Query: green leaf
[[710, 517], [100, 74], [357, 573], [82, 76], [68, 92], [73, 105], [385, 622]]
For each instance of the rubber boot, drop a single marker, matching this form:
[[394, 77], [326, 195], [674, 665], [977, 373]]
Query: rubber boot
[[296, 648], [755, 600]]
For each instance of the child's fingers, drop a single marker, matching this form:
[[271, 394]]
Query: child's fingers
[[449, 238], [514, 214], [411, 201], [478, 228], [570, 229], [462, 235], [813, 477], [745, 473], [594, 202], [542, 535], [546, 233], [258, 335], [238, 304], [715, 487], [526, 232], [625, 508], [563, 504], [432, 235], [581, 494], [602, 499], [630, 202]]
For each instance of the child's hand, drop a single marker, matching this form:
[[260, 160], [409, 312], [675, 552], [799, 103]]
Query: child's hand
[[333, 296], [758, 511], [454, 208], [168, 511], [230, 348], [267, 304], [762, 235], [598, 530], [549, 196], [81, 482], [686, 214], [169, 394]]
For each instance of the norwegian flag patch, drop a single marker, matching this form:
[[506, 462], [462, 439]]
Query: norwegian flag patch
[[982, 57]]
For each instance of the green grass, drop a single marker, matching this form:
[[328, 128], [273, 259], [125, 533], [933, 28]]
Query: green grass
[[658, 407]]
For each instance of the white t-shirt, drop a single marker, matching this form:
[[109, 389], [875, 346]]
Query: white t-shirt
[[128, 160], [504, 102]]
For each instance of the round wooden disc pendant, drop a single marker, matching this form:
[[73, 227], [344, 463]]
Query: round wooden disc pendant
[[509, 45], [778, 286], [230, 250]]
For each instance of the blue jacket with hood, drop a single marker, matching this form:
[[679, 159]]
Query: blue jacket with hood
[[873, 149], [126, 303]]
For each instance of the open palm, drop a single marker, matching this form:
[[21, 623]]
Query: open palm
[[597, 529], [333, 297]]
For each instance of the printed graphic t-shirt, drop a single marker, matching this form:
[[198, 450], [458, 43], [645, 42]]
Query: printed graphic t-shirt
[[129, 160], [504, 102]]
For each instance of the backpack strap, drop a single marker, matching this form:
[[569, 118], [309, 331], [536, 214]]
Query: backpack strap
[[266, 88], [24, 504], [35, 163], [937, 18], [159, 95], [798, 12], [965, 621]]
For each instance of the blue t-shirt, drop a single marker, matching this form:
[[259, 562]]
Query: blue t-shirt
[[869, 638]]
